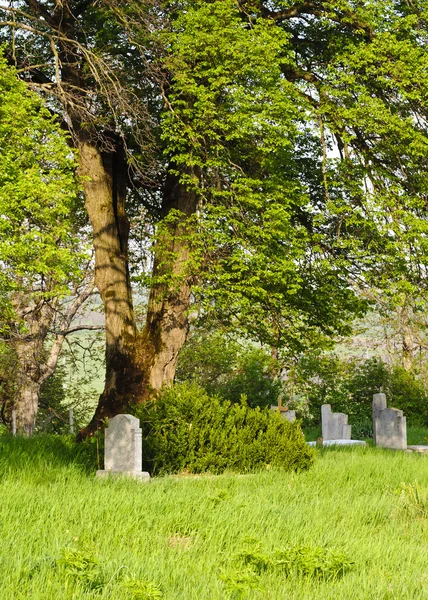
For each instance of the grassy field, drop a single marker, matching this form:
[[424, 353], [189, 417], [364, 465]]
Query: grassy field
[[353, 527]]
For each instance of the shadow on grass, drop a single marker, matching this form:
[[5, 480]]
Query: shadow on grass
[[42, 452]]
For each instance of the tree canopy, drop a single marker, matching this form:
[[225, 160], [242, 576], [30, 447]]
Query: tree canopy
[[38, 200], [279, 147]]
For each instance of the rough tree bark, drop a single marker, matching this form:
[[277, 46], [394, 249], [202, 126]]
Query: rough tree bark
[[29, 354], [103, 176], [138, 364], [167, 325]]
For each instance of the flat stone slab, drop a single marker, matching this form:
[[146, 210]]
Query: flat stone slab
[[142, 476], [340, 443], [418, 448]]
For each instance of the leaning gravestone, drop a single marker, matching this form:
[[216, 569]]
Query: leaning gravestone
[[334, 425], [389, 425], [123, 453]]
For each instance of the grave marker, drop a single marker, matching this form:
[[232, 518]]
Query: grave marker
[[389, 429], [378, 405], [123, 448], [285, 412], [334, 425]]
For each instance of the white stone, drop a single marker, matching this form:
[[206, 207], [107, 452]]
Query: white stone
[[340, 443], [418, 448], [378, 405], [334, 425], [140, 476], [123, 455], [290, 415]]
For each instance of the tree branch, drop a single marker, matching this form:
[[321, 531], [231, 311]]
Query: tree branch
[[51, 363], [82, 328]]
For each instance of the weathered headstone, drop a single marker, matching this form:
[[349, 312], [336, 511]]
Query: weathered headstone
[[334, 425], [290, 415], [123, 448], [378, 405], [389, 429]]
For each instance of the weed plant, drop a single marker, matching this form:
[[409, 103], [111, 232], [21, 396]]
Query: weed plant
[[353, 527]]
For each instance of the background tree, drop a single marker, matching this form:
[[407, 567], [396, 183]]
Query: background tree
[[41, 282], [226, 368]]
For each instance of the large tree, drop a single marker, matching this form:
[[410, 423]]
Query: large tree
[[282, 145]]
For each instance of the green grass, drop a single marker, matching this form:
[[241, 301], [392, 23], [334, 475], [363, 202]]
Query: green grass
[[353, 527]]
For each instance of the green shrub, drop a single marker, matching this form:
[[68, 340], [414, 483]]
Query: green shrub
[[82, 567], [254, 378], [314, 562], [186, 430], [408, 393], [348, 385], [362, 428]]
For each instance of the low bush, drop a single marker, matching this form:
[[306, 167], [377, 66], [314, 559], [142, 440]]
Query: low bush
[[187, 430], [313, 562], [362, 429]]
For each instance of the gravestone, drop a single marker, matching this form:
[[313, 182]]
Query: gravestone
[[389, 429], [378, 405], [290, 415], [123, 448], [334, 425]]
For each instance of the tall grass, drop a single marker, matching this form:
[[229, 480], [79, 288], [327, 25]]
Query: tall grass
[[353, 527]]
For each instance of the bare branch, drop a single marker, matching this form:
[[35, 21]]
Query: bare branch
[[51, 363], [82, 328]]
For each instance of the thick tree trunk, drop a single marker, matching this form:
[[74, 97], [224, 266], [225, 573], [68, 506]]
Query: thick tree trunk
[[166, 325], [105, 190], [137, 364]]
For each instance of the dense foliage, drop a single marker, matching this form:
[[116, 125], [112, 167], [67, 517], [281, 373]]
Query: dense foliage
[[280, 149], [349, 384], [226, 368], [187, 430], [38, 248]]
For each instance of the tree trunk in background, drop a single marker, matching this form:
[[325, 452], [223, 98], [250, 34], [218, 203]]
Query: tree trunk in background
[[28, 350], [29, 356]]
